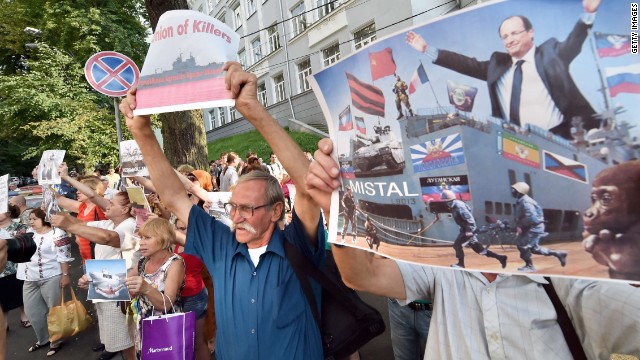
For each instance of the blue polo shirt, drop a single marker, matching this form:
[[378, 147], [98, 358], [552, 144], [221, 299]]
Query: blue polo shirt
[[261, 313]]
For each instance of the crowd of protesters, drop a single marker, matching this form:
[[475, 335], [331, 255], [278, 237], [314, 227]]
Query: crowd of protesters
[[236, 265]]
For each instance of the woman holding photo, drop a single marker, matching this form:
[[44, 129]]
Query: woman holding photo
[[159, 278]]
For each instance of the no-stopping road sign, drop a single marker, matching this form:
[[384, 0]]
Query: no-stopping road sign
[[111, 73]]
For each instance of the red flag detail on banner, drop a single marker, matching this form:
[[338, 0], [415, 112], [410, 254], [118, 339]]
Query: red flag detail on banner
[[382, 64], [365, 97]]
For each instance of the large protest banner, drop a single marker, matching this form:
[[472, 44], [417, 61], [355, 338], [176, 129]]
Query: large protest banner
[[447, 116]]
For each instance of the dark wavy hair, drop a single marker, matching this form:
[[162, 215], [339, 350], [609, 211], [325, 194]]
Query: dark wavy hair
[[40, 214]]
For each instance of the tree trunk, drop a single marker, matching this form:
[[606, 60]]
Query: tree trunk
[[183, 133]]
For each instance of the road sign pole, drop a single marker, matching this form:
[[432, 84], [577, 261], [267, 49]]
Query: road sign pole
[[118, 127]]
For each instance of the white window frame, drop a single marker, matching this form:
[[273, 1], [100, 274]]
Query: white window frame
[[262, 94], [242, 58], [279, 91], [237, 16], [298, 19], [326, 7], [303, 73], [256, 50], [212, 119], [251, 8], [330, 58], [273, 38], [364, 36], [221, 114]]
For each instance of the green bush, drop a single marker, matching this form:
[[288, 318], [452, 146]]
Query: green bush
[[241, 144]]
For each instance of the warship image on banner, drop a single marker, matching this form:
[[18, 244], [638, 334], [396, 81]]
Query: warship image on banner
[[181, 71], [417, 125]]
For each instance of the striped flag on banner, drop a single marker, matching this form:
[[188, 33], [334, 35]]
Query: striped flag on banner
[[366, 97], [612, 44], [344, 119], [624, 79], [419, 77], [361, 126]]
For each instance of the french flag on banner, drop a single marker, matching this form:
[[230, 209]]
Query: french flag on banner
[[419, 77], [624, 79], [361, 126]]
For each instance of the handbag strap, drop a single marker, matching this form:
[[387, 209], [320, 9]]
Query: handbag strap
[[302, 267], [569, 332]]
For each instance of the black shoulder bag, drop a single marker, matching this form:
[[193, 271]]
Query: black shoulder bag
[[347, 322], [569, 332]]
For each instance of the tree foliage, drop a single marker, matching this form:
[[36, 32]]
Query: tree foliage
[[45, 101]]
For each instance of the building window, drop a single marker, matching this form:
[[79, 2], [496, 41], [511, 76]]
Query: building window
[[251, 7], [298, 19], [222, 17], [278, 88], [237, 17], [331, 54], [221, 116], [304, 70], [364, 36], [242, 58], [262, 94], [273, 39], [326, 6], [212, 119], [256, 49]]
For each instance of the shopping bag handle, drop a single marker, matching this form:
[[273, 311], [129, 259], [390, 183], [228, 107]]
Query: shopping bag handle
[[164, 304], [73, 295]]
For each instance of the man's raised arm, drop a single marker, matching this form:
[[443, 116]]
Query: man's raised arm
[[243, 86], [165, 180]]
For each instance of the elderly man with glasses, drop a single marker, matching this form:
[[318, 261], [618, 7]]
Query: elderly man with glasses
[[261, 310]]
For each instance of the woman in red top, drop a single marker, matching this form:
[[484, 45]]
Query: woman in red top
[[194, 294], [84, 207]]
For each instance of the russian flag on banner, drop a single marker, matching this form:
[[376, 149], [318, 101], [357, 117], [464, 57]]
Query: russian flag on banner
[[361, 126], [419, 77], [344, 119], [623, 79], [612, 44]]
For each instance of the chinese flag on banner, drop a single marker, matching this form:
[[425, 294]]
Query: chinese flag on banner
[[382, 64]]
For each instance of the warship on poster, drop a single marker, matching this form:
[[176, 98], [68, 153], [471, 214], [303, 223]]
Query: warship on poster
[[183, 69], [408, 125]]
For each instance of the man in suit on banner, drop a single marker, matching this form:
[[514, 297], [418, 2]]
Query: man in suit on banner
[[528, 84]]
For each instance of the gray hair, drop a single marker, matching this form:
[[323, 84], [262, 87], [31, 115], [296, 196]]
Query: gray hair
[[274, 192]]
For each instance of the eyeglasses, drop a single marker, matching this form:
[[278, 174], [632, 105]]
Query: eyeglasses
[[244, 210], [512, 34]]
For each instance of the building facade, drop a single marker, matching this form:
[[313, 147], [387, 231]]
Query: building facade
[[284, 41]]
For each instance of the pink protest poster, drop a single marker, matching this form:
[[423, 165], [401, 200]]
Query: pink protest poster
[[183, 67]]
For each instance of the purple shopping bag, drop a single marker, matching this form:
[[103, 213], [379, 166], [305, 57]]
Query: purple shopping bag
[[168, 337]]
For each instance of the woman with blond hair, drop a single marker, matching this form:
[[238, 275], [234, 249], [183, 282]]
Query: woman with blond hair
[[159, 277]]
